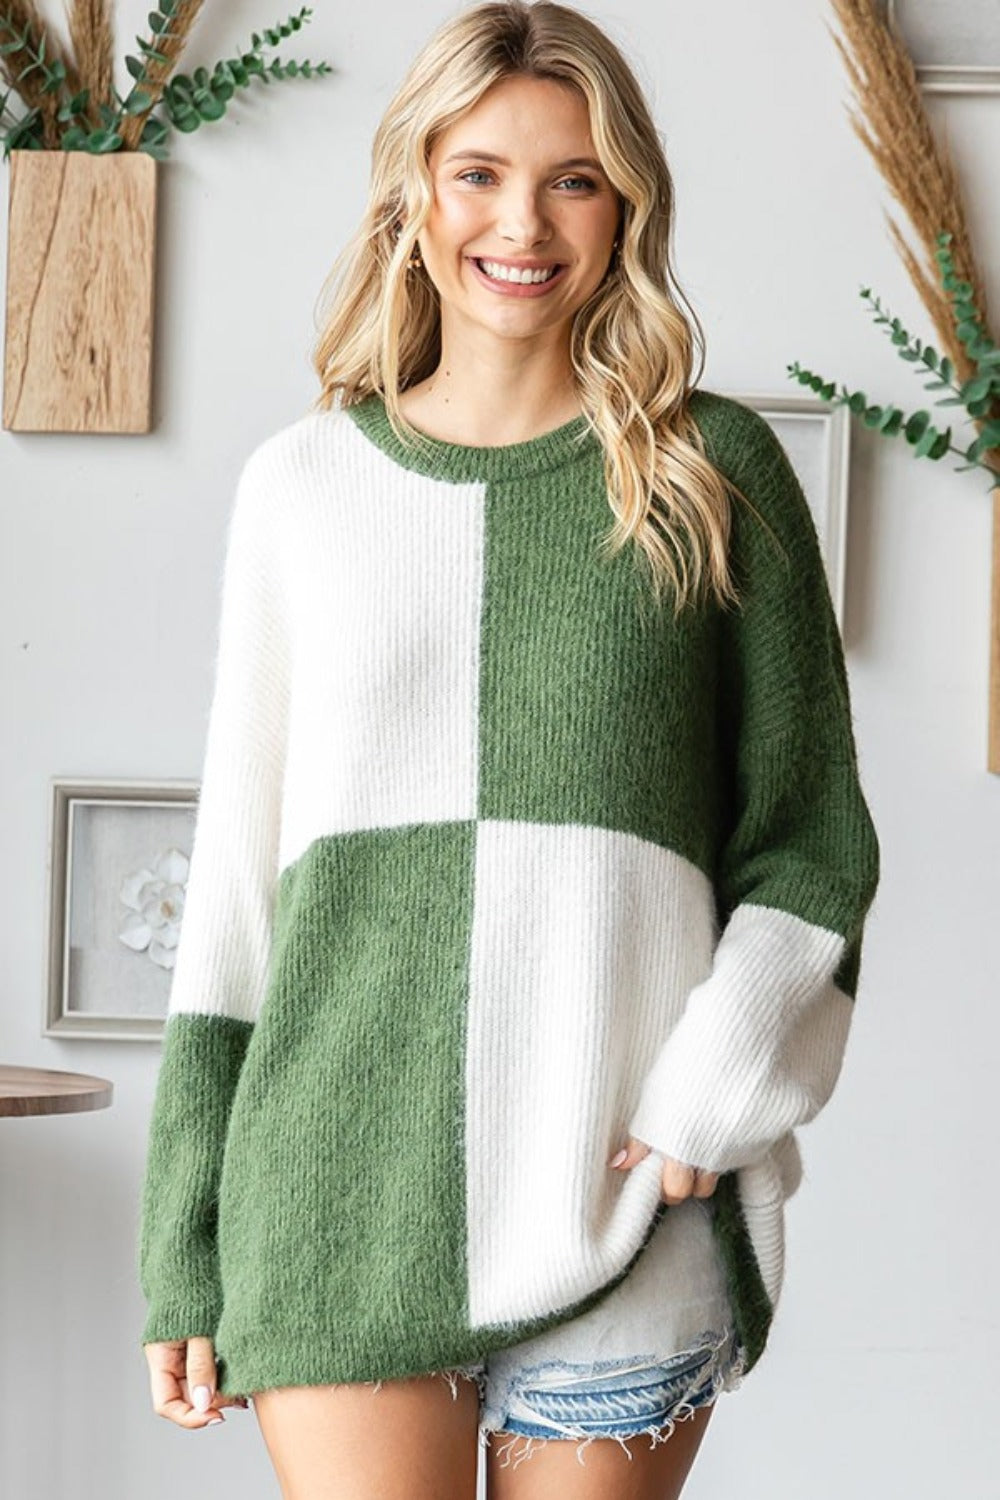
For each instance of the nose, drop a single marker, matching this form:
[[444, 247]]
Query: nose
[[522, 221]]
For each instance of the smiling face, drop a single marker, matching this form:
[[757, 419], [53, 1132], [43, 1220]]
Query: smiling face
[[517, 185]]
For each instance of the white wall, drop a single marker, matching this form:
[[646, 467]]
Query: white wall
[[879, 1379]]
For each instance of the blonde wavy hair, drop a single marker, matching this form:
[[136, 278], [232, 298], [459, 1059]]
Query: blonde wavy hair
[[631, 345]]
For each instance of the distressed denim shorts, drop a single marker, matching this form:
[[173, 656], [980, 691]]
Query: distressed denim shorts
[[658, 1347]]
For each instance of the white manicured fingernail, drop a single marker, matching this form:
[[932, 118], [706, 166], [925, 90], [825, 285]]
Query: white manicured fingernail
[[201, 1398]]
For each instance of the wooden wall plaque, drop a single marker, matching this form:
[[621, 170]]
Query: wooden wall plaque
[[80, 291]]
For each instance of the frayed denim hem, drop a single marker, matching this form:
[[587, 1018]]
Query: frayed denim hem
[[605, 1399], [612, 1399]]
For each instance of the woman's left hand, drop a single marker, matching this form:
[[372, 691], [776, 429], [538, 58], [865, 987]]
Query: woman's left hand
[[679, 1181]]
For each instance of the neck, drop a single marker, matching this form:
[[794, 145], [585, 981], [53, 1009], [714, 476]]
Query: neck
[[476, 399]]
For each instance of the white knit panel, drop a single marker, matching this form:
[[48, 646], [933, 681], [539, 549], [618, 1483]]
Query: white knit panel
[[759, 1048], [221, 960], [386, 578], [585, 943]]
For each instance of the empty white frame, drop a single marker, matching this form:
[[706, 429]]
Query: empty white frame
[[816, 436], [954, 44]]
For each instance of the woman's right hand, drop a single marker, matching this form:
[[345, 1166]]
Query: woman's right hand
[[177, 1369]]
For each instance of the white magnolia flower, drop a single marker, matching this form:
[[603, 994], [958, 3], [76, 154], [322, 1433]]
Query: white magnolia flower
[[155, 898]]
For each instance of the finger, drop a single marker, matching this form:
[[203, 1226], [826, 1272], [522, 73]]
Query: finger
[[634, 1152], [202, 1371], [218, 1398], [705, 1183], [676, 1180], [168, 1386], [201, 1375]]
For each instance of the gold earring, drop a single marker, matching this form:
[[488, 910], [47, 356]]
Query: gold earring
[[415, 259]]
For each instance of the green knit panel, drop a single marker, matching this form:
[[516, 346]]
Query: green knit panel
[[359, 1052], [593, 709], [178, 1266], [803, 840]]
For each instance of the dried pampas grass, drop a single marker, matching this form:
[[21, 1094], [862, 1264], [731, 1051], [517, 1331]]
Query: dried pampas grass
[[90, 63], [23, 19], [917, 168]]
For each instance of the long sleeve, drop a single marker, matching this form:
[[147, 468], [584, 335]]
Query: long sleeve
[[223, 952], [759, 1045]]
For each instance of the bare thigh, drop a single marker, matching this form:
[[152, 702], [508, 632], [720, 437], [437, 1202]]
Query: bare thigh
[[603, 1471], [405, 1440]]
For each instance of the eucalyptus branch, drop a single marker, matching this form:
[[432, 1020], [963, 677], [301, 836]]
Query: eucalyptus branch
[[155, 101], [190, 101], [29, 130], [977, 396]]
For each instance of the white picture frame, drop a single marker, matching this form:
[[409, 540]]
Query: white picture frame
[[817, 438], [947, 40], [118, 857]]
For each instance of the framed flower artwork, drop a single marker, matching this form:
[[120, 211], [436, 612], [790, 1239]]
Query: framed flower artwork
[[119, 853]]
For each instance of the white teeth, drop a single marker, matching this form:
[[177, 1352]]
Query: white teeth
[[514, 273]]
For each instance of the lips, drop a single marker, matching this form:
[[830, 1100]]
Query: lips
[[517, 288]]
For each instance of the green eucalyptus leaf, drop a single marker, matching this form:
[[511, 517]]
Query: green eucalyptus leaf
[[149, 51], [991, 434], [208, 107], [103, 141], [916, 426], [154, 131]]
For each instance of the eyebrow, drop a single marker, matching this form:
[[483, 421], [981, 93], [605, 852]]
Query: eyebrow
[[560, 166]]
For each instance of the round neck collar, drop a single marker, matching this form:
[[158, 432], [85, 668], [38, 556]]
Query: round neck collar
[[466, 461]]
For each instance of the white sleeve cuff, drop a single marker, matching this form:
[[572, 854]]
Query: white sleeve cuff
[[758, 1048]]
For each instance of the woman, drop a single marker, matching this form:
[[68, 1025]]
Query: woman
[[524, 915]]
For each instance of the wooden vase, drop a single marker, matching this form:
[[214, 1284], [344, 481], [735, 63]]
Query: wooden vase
[[80, 283]]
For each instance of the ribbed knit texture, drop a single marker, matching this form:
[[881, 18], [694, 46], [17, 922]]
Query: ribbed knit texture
[[494, 865]]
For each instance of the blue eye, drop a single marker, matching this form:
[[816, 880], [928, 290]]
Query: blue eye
[[588, 184]]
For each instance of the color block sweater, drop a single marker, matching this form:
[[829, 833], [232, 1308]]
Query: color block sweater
[[494, 865]]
